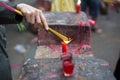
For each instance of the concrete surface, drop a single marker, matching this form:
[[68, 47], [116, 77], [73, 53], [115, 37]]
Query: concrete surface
[[105, 46]]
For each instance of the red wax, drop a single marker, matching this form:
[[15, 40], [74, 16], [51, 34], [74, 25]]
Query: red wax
[[68, 67], [91, 22], [64, 47]]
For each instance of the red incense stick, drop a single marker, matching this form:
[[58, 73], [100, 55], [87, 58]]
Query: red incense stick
[[11, 8]]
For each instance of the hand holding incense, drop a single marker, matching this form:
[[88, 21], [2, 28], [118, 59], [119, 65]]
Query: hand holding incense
[[62, 37]]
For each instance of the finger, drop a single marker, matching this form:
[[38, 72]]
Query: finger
[[28, 18], [32, 18], [38, 20], [31, 15], [44, 21], [26, 13]]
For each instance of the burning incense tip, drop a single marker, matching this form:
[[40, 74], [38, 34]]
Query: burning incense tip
[[67, 41]]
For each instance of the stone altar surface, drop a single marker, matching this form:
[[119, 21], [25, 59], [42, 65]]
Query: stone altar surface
[[87, 67]]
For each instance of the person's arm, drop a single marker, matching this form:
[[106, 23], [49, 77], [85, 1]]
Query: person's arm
[[9, 17]]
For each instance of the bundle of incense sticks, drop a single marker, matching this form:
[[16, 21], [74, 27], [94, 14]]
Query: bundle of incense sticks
[[62, 37]]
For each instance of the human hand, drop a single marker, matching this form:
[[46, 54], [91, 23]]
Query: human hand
[[32, 15]]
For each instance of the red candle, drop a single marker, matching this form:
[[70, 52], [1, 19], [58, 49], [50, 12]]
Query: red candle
[[64, 47], [66, 58], [78, 6]]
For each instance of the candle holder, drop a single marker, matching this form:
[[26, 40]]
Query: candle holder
[[68, 65]]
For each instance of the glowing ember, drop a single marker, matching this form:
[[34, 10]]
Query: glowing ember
[[67, 41]]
